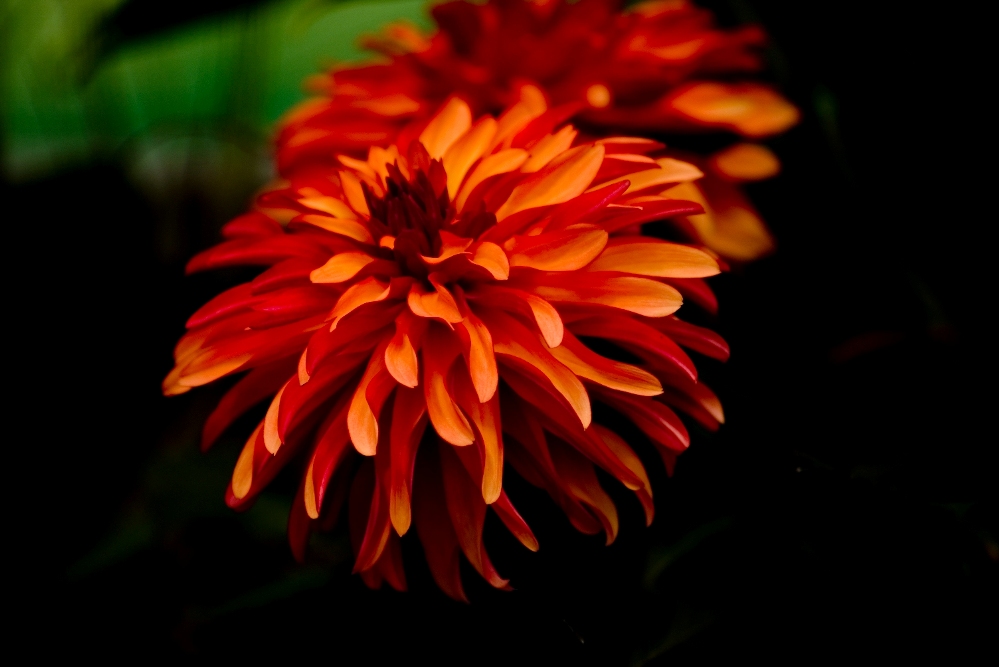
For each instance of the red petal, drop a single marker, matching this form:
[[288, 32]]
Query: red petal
[[430, 512]]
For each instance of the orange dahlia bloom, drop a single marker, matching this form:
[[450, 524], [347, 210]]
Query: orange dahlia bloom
[[423, 320], [659, 67]]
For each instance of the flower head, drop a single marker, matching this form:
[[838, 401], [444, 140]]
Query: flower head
[[660, 67], [424, 319]]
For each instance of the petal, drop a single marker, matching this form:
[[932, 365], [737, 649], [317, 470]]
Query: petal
[[566, 177], [493, 259], [460, 157], [400, 355], [438, 304], [372, 390], [430, 512], [745, 162], [651, 257], [654, 347], [514, 522], [440, 350], [656, 420], [331, 450], [548, 147], [512, 339], [354, 193], [630, 459], [749, 109], [613, 374], [498, 163], [446, 127], [486, 418], [341, 267], [543, 313], [669, 171], [643, 296], [251, 389], [368, 290], [477, 347], [559, 251], [409, 420], [331, 205], [696, 338], [272, 440], [468, 514], [578, 478]]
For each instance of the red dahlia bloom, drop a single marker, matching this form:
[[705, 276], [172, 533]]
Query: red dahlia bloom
[[423, 320], [658, 67]]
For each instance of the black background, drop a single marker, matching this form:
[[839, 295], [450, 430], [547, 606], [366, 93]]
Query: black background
[[847, 508]]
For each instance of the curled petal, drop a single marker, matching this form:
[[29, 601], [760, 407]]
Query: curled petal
[[439, 352]]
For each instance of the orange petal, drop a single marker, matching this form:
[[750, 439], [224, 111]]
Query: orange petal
[[651, 257], [242, 475], [400, 355], [637, 295], [355, 195], [486, 417], [745, 162], [342, 226], [669, 171], [272, 441], [341, 267], [516, 118], [460, 157], [408, 423], [559, 251], [451, 246], [368, 290], [565, 177], [498, 163], [728, 226], [452, 121], [396, 104], [379, 158], [512, 339], [360, 166], [437, 304], [440, 350], [750, 109], [493, 259], [362, 417], [480, 357], [545, 150], [214, 372], [614, 374], [331, 205]]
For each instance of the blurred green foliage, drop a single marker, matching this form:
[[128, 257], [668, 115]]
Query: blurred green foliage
[[67, 98]]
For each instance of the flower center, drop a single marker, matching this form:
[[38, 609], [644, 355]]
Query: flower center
[[415, 210]]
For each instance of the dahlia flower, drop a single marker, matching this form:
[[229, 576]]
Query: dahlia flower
[[656, 68], [424, 319]]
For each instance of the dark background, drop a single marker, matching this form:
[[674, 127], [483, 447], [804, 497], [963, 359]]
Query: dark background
[[847, 509]]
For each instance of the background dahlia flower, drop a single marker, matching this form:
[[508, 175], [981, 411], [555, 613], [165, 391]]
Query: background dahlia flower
[[657, 68], [437, 298]]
